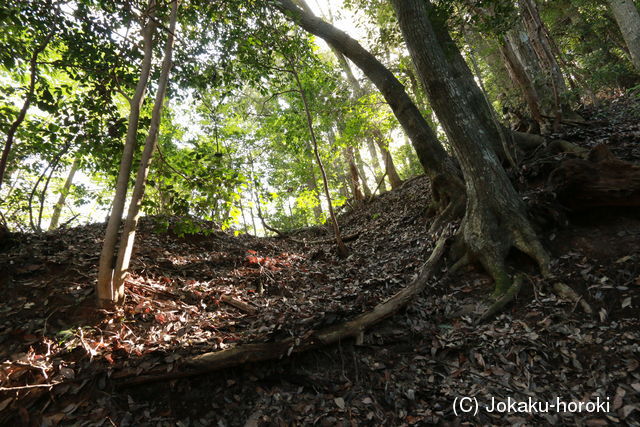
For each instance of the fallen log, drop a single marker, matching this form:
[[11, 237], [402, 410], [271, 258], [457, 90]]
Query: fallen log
[[601, 181], [247, 353]]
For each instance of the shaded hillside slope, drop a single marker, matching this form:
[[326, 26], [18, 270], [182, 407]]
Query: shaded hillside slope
[[212, 291]]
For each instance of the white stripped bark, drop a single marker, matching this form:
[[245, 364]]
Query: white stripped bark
[[128, 234], [104, 287]]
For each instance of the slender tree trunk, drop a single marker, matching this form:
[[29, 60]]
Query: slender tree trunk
[[57, 209], [495, 218], [105, 291], [359, 92], [362, 173], [541, 44], [389, 166], [312, 184], [244, 218], [51, 168], [33, 77], [628, 18], [128, 235], [377, 172], [354, 179], [520, 76], [342, 249]]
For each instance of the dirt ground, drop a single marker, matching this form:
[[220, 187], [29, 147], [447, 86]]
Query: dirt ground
[[211, 291]]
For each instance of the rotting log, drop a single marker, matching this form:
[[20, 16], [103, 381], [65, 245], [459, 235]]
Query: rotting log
[[248, 353], [601, 181]]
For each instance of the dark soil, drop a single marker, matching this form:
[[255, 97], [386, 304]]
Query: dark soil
[[409, 370]]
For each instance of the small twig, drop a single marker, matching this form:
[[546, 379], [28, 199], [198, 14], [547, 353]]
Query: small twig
[[27, 387], [379, 184], [240, 305]]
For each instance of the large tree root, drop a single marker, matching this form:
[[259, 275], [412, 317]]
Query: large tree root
[[566, 292], [247, 353], [503, 301], [491, 232], [347, 238]]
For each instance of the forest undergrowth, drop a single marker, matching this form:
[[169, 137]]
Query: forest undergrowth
[[574, 335]]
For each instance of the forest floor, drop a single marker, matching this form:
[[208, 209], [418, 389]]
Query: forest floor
[[207, 292]]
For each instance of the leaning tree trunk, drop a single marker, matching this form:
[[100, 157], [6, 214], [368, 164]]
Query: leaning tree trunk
[[33, 77], [519, 75], [359, 92], [495, 218], [628, 18], [128, 234], [541, 44], [104, 287], [432, 155], [389, 166]]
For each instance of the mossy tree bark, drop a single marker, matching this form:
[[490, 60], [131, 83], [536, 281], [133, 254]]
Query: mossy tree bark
[[495, 218], [628, 18]]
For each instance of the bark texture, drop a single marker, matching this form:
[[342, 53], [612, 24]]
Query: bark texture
[[628, 18], [495, 218], [354, 178]]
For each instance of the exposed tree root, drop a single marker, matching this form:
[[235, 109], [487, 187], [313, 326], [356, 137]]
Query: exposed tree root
[[347, 238], [490, 233], [247, 353], [527, 142], [565, 291], [449, 195], [502, 302], [462, 262]]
